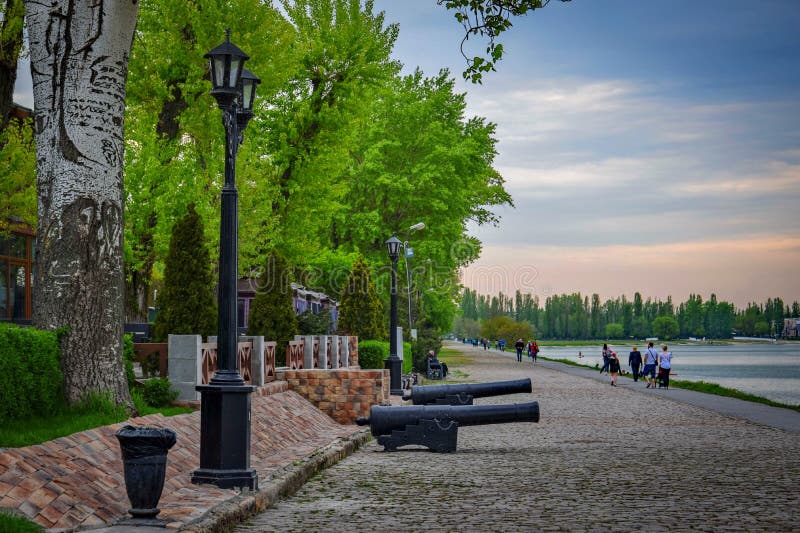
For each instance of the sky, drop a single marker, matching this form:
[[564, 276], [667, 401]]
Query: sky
[[649, 146]]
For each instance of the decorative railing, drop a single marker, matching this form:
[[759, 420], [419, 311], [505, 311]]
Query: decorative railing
[[269, 361], [294, 355], [352, 343], [316, 352], [208, 354], [330, 354], [152, 356], [341, 342]]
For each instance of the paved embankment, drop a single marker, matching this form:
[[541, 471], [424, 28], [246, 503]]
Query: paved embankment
[[601, 458]]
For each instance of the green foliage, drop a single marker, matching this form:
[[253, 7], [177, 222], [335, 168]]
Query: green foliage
[[272, 312], [371, 354], [503, 327], [425, 342], [18, 171], [487, 19], [127, 350], [614, 331], [665, 327], [360, 310], [408, 357], [158, 392], [31, 382], [309, 323], [17, 524], [186, 302]]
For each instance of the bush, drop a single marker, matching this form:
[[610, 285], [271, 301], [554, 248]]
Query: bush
[[31, 382], [157, 392], [426, 342], [371, 354], [377, 352]]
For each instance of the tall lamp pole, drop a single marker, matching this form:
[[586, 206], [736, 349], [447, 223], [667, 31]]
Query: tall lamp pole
[[409, 252], [393, 362], [225, 401]]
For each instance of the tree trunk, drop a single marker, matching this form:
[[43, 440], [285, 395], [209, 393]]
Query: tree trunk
[[79, 61]]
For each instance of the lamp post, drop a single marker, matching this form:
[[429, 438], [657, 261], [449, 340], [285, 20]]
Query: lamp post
[[393, 362], [225, 401], [409, 252]]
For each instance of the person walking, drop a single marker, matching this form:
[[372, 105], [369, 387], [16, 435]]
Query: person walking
[[664, 367], [650, 363], [635, 361], [605, 358], [613, 367], [520, 345]]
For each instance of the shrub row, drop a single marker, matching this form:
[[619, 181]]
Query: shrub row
[[30, 374], [371, 354]]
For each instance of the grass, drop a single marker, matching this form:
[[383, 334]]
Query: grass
[[95, 412], [15, 524], [699, 386], [454, 357]]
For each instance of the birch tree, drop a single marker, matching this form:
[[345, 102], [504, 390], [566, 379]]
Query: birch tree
[[79, 60]]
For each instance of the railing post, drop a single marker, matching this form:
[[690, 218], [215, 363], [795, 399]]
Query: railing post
[[185, 365], [323, 351], [333, 357]]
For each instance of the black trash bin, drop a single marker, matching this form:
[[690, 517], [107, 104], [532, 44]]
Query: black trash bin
[[144, 456]]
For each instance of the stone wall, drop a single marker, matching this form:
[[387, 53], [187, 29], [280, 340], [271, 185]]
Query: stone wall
[[343, 394]]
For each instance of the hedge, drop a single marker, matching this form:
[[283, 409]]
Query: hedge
[[31, 382], [371, 354]]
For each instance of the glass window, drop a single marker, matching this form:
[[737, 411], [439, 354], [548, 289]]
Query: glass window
[[19, 246], [4, 244], [17, 292], [240, 313], [3, 290]]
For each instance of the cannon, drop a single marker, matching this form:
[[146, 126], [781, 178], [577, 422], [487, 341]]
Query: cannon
[[436, 426], [464, 393]]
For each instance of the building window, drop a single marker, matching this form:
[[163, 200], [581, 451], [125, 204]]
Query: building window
[[16, 276]]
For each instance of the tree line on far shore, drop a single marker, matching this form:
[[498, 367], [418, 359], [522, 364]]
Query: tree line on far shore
[[574, 316]]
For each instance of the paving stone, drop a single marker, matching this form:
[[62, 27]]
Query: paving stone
[[601, 459]]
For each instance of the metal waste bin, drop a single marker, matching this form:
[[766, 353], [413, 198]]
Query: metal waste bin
[[144, 456]]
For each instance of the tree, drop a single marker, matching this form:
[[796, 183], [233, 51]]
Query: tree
[[360, 309], [614, 331], [11, 13], [487, 18], [18, 171], [272, 312], [186, 303], [79, 61], [665, 327]]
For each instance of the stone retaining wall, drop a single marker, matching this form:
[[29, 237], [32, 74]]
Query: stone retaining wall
[[343, 394]]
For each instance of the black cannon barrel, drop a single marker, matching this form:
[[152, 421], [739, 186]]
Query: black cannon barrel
[[426, 394], [385, 418]]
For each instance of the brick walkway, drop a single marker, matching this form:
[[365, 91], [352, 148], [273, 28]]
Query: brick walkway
[[601, 459], [77, 481]]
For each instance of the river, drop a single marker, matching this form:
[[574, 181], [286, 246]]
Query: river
[[764, 369]]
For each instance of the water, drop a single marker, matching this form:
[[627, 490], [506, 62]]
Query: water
[[768, 370]]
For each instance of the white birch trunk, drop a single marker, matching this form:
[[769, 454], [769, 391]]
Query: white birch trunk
[[79, 62]]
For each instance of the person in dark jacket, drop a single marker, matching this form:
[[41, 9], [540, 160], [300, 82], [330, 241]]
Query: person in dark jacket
[[520, 345], [605, 358], [635, 361]]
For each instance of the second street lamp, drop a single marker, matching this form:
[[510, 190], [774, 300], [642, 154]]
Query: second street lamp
[[225, 401], [393, 362]]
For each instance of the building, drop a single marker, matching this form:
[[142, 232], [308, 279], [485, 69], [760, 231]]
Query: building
[[16, 273], [303, 299]]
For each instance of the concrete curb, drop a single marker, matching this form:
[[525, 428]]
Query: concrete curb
[[285, 482]]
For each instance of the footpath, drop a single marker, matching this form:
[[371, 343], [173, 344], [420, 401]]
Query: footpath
[[601, 458]]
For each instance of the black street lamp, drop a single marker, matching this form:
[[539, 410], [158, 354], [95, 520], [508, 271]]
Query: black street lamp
[[393, 362], [225, 401]]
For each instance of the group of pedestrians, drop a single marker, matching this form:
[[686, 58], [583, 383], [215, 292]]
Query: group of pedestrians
[[657, 366], [531, 346]]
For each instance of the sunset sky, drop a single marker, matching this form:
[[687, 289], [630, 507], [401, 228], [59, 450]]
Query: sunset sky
[[648, 145]]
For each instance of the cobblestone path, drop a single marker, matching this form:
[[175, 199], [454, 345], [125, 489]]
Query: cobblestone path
[[601, 459]]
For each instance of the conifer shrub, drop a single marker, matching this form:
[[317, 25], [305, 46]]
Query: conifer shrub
[[360, 309], [186, 303], [31, 382], [272, 310]]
